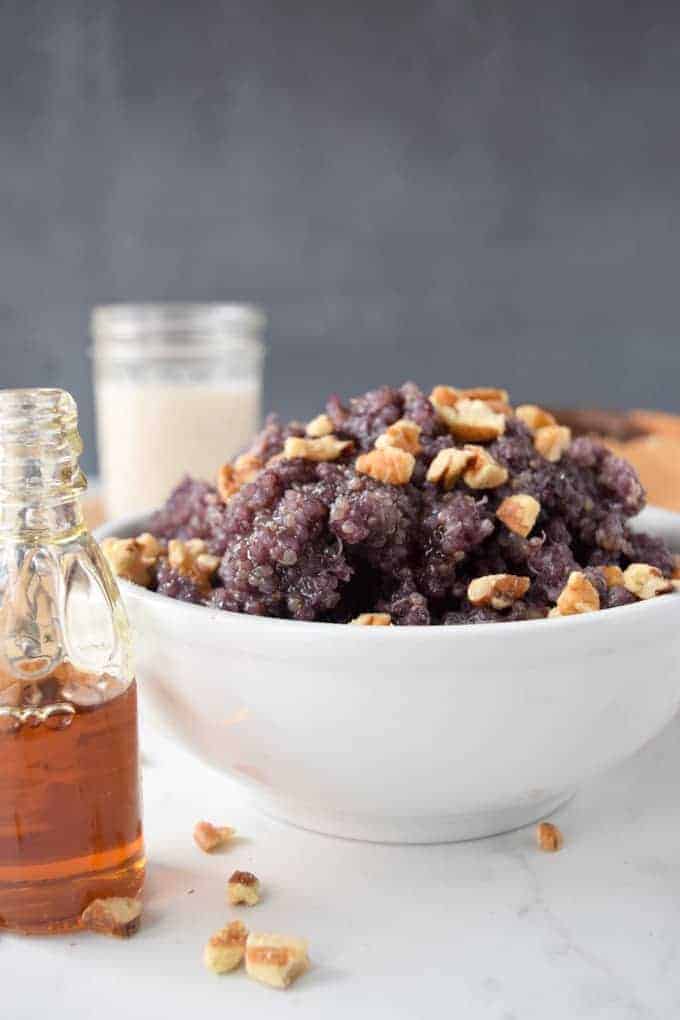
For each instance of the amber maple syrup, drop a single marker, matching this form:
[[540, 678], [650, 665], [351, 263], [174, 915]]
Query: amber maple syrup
[[70, 813]]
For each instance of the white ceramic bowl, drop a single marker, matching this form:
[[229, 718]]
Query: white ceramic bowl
[[413, 734]]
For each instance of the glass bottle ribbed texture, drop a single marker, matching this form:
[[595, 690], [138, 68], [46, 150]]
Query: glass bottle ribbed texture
[[40, 477]]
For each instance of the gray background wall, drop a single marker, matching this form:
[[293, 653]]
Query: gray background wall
[[462, 191]]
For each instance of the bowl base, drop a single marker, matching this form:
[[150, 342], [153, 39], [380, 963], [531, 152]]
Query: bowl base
[[416, 829]]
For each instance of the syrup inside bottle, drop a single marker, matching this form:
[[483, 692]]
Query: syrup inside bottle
[[70, 813]]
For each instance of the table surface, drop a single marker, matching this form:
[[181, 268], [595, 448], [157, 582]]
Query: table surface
[[485, 930]]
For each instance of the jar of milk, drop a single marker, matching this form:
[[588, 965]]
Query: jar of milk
[[177, 389]]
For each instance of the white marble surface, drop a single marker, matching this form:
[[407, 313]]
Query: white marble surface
[[488, 930]]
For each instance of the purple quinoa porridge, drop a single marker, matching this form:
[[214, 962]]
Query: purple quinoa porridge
[[442, 510]]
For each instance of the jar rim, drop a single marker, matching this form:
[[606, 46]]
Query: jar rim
[[171, 329]]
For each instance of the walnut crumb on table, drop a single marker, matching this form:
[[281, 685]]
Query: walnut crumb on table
[[209, 837], [117, 915], [549, 837], [225, 949], [243, 887], [276, 960]]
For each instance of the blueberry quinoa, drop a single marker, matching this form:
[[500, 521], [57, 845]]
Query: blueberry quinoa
[[398, 508]]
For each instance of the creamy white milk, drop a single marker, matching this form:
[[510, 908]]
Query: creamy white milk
[[152, 433]]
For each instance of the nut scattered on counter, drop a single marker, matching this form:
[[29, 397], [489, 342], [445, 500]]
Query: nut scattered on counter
[[225, 949], [243, 887], [209, 837], [549, 837], [117, 915], [276, 960], [372, 620]]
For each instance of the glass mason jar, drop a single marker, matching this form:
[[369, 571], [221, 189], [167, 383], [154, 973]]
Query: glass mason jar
[[70, 810], [177, 389]]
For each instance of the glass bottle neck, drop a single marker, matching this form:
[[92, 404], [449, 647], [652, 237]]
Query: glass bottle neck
[[40, 477]]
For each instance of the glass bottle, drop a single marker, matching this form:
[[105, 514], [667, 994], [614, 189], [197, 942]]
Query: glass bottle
[[186, 377], [70, 810]]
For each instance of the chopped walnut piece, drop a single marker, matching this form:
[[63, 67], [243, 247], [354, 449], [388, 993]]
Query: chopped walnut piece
[[389, 465], [483, 471], [226, 948], [551, 441], [448, 396], [549, 837], [448, 466], [489, 394], [323, 449], [117, 915], [472, 420], [232, 477], [133, 559], [372, 620], [534, 417], [496, 399], [191, 560], [243, 887], [613, 575], [276, 960], [519, 513], [579, 595], [209, 837], [444, 396], [645, 581], [319, 426], [404, 435], [247, 466], [497, 590], [227, 485]]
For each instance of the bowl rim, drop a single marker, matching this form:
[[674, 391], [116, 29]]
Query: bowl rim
[[667, 520]]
